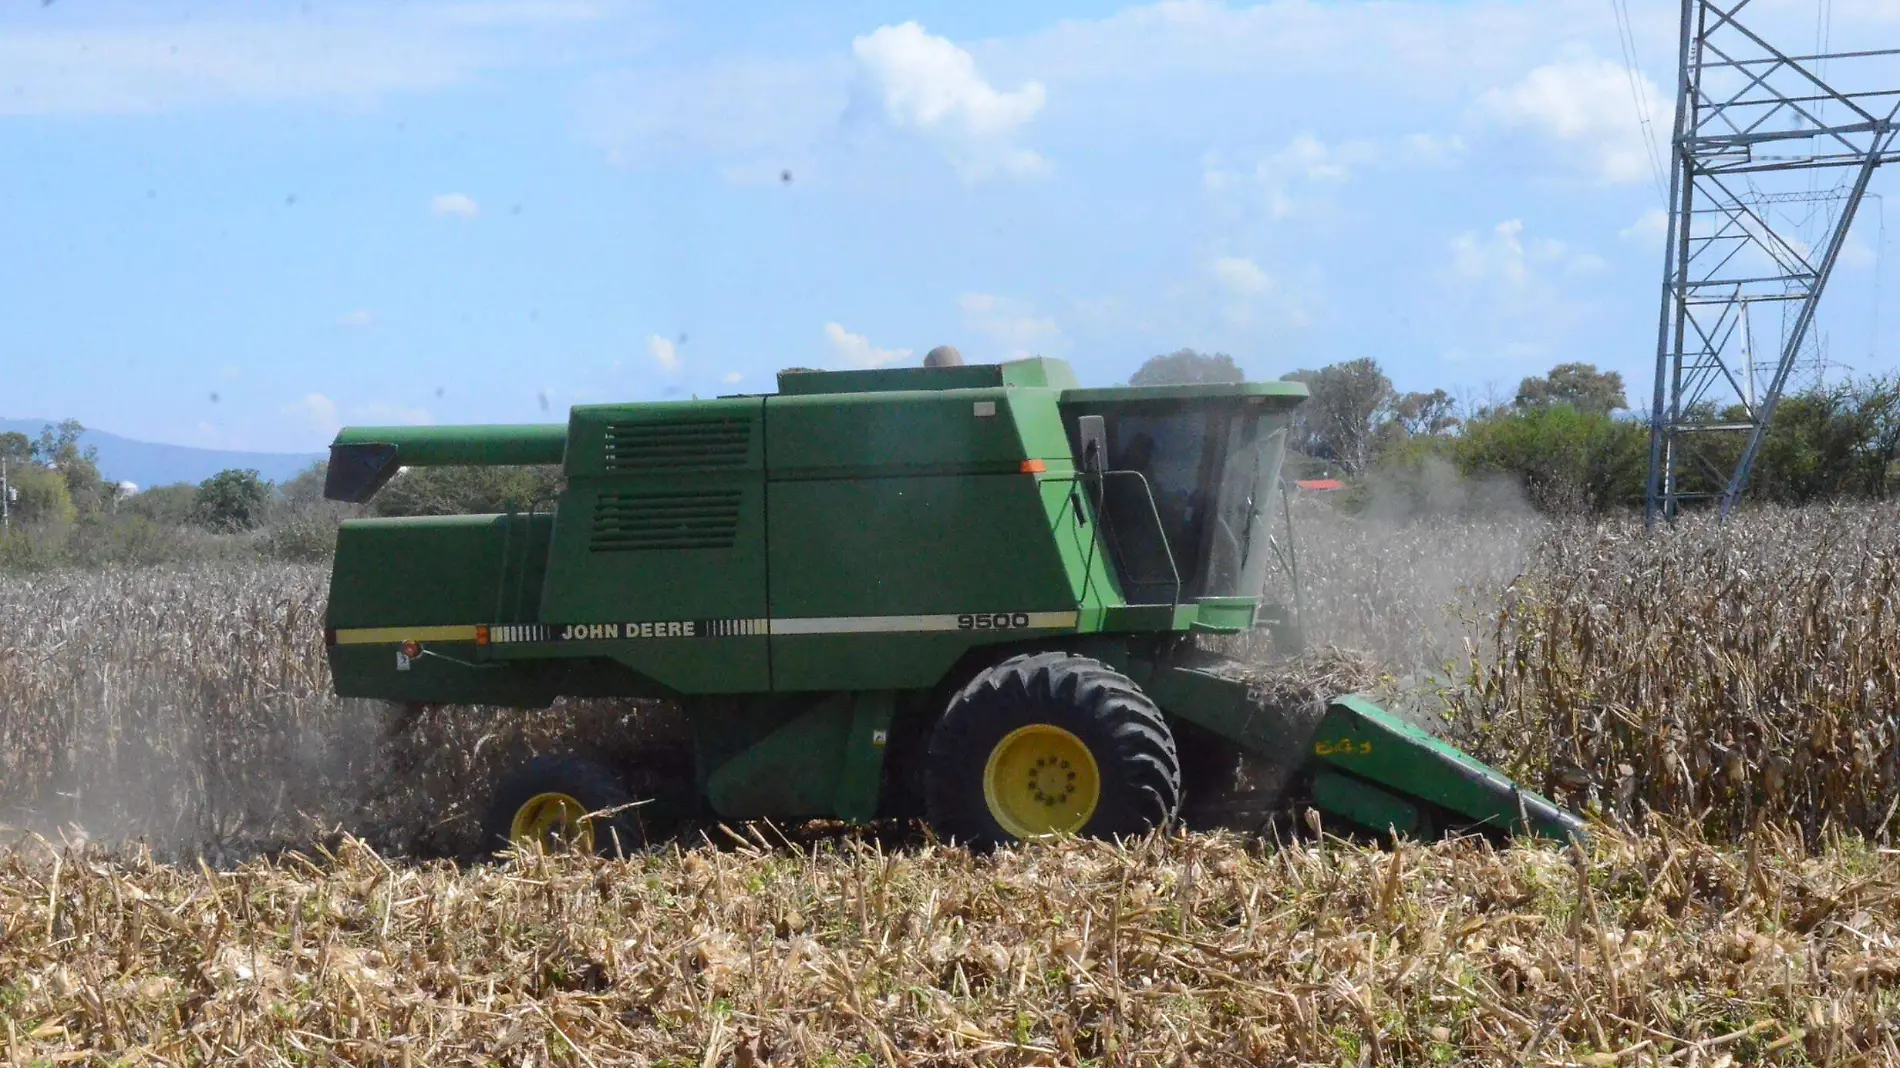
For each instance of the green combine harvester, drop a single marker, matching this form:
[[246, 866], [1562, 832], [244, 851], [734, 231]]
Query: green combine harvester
[[970, 593]]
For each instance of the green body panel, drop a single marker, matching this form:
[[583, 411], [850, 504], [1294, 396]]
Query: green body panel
[[519, 445], [663, 521], [1278, 395], [1363, 803], [427, 570], [1224, 615], [1360, 737], [452, 673], [922, 547], [808, 571], [888, 434], [1035, 372], [828, 761]]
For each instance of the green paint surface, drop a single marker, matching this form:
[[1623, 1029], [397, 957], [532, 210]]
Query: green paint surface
[[803, 569]]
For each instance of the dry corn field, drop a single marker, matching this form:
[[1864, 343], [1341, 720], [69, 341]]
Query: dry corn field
[[1173, 951], [1726, 701]]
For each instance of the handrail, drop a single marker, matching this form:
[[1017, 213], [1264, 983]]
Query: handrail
[[1101, 517]]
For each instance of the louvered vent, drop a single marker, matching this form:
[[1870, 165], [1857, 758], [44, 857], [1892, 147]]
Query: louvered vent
[[703, 441], [686, 519]]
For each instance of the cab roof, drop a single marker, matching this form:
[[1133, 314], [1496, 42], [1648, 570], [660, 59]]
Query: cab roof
[[1035, 372]]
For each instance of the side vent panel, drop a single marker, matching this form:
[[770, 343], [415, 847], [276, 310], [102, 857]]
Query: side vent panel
[[695, 442], [675, 519]]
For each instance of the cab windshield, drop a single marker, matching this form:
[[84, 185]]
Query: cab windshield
[[1186, 484]]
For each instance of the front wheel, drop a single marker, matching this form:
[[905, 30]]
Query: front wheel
[[562, 804], [1047, 744]]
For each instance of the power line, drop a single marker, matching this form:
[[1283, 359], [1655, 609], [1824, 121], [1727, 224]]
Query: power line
[[1880, 248], [1632, 70]]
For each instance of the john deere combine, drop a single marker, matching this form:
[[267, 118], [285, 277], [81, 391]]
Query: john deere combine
[[970, 593]]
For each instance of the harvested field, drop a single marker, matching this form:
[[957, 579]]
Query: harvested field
[[1191, 950]]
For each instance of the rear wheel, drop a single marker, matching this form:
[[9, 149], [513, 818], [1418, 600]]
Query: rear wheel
[[562, 804], [1047, 744]]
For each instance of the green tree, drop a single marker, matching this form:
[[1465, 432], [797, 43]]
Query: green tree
[[1880, 417], [1186, 367], [1580, 385], [232, 500], [59, 448], [305, 488], [1568, 460], [175, 505], [468, 490], [43, 495], [16, 447], [1346, 414], [1424, 414]]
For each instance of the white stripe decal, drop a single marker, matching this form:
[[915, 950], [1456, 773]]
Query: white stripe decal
[[533, 633], [923, 624]]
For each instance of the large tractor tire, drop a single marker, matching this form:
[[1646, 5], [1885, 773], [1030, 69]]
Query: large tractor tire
[[1047, 744], [563, 804]]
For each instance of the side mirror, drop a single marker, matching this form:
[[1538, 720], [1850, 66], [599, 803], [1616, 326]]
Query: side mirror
[[1092, 430]]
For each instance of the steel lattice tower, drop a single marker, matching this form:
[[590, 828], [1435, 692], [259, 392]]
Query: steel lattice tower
[[1754, 233]]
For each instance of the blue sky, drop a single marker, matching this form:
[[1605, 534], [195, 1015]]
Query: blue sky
[[335, 213]]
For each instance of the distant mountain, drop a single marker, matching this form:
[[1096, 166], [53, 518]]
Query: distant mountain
[[149, 463]]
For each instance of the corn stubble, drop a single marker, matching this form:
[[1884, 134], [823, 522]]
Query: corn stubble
[[1725, 699], [1180, 950]]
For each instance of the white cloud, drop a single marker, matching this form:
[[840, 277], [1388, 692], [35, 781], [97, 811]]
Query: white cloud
[[1160, 63], [856, 350], [1586, 263], [1012, 324], [318, 413], [1857, 254], [1433, 149], [460, 205], [1288, 180], [1246, 291], [355, 53], [1587, 103], [1505, 256], [1309, 156], [1496, 257], [359, 319], [1512, 296], [663, 353], [315, 411], [516, 13], [927, 84], [380, 413], [1649, 229], [1241, 277], [760, 116], [732, 378]]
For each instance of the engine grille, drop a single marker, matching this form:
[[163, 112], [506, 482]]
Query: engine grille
[[700, 441], [675, 519]]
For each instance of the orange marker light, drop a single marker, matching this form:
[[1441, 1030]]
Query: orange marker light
[[1034, 467], [412, 649], [481, 634]]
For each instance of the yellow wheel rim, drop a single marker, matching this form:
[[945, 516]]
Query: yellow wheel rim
[[555, 821], [1041, 780]]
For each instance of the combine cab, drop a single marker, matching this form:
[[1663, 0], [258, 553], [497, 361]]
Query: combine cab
[[970, 593]]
